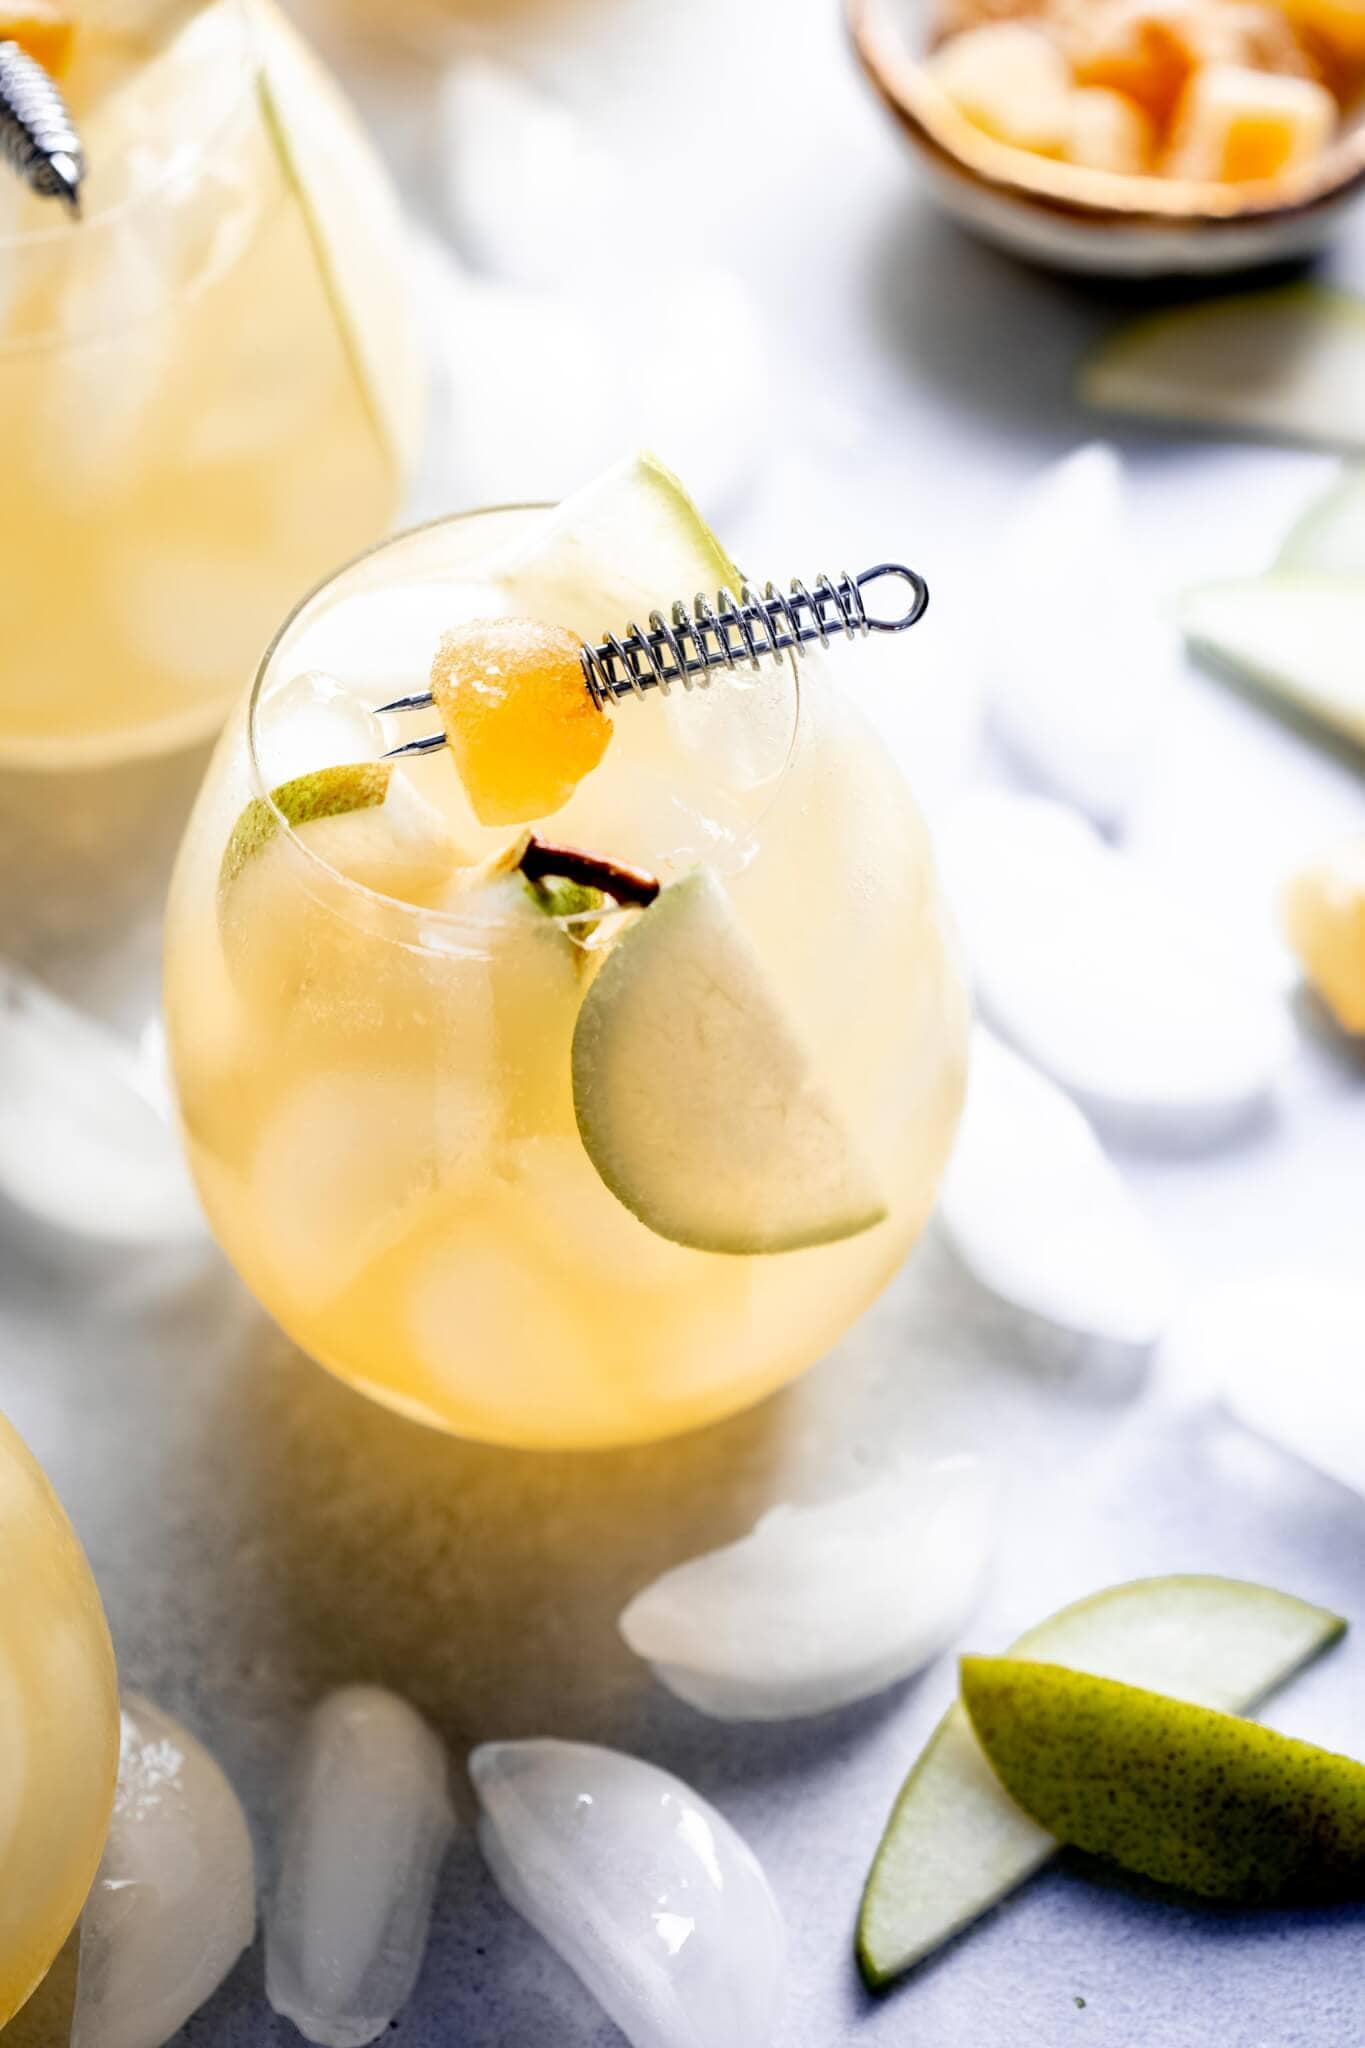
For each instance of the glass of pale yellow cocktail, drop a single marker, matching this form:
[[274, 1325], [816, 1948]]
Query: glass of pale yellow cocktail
[[209, 384], [59, 1725], [581, 1081]]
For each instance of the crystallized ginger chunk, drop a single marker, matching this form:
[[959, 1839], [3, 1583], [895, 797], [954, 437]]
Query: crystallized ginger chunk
[[1242, 32], [42, 27], [1106, 132], [1340, 22], [1324, 915], [521, 724], [1236, 125], [1148, 53], [1010, 80]]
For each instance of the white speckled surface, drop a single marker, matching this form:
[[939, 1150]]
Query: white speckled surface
[[261, 1534]]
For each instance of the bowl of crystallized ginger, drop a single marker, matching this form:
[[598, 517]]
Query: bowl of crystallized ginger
[[1134, 137]]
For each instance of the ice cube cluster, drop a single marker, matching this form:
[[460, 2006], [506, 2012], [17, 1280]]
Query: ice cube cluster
[[643, 1887]]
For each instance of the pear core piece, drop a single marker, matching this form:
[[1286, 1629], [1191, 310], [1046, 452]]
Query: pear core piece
[[956, 1843], [695, 1101], [1200, 1800]]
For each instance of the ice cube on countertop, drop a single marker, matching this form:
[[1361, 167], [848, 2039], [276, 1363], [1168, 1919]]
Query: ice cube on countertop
[[1079, 662], [1149, 1016], [174, 1903], [647, 1893], [87, 1134], [365, 1831], [1041, 1216]]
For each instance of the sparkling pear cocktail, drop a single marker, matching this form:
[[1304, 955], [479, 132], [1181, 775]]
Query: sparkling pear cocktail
[[498, 1138], [59, 1725], [208, 386]]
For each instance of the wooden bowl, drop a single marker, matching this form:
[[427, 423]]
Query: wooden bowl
[[1075, 219]]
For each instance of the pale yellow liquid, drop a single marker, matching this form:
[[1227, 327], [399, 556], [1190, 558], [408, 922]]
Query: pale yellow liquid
[[378, 1103], [59, 1725], [190, 439]]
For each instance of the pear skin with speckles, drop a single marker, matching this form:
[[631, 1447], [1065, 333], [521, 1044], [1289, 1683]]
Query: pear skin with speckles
[[1200, 1800]]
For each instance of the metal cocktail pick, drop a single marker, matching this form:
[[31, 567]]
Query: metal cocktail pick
[[37, 134], [748, 629]]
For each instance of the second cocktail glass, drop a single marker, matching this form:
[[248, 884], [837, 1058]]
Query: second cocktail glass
[[210, 386]]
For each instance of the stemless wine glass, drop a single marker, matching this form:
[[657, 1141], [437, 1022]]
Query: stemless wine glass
[[377, 1093], [210, 386], [59, 1725]]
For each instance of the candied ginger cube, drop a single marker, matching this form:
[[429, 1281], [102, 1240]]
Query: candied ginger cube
[[1010, 80], [521, 724], [1324, 916], [1107, 132], [1243, 32], [1147, 53], [1236, 125], [42, 27], [1341, 23]]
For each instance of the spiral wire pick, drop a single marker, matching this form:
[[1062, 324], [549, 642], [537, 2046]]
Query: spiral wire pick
[[37, 134], [689, 647]]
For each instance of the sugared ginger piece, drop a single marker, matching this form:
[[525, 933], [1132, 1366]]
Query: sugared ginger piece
[[1341, 23], [521, 724], [41, 27], [1324, 917], [1243, 32], [1010, 80], [1148, 53], [1235, 125], [1107, 132]]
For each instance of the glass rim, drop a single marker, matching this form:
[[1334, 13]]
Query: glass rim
[[246, 69], [436, 919]]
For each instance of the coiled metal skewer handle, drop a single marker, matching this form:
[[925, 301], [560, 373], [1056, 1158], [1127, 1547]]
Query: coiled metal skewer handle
[[37, 134], [690, 647]]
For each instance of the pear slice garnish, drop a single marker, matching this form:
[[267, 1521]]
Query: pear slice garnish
[[956, 1843], [1197, 1799], [695, 1100], [1298, 636], [1288, 364]]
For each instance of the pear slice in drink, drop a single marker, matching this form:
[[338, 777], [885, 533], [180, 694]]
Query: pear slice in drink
[[694, 1098]]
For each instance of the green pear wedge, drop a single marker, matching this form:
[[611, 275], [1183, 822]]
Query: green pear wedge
[[956, 1843], [1200, 1800], [695, 1100], [1288, 363], [1297, 636], [1328, 539]]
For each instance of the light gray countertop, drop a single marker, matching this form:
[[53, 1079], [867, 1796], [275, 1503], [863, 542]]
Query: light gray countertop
[[260, 1533]]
